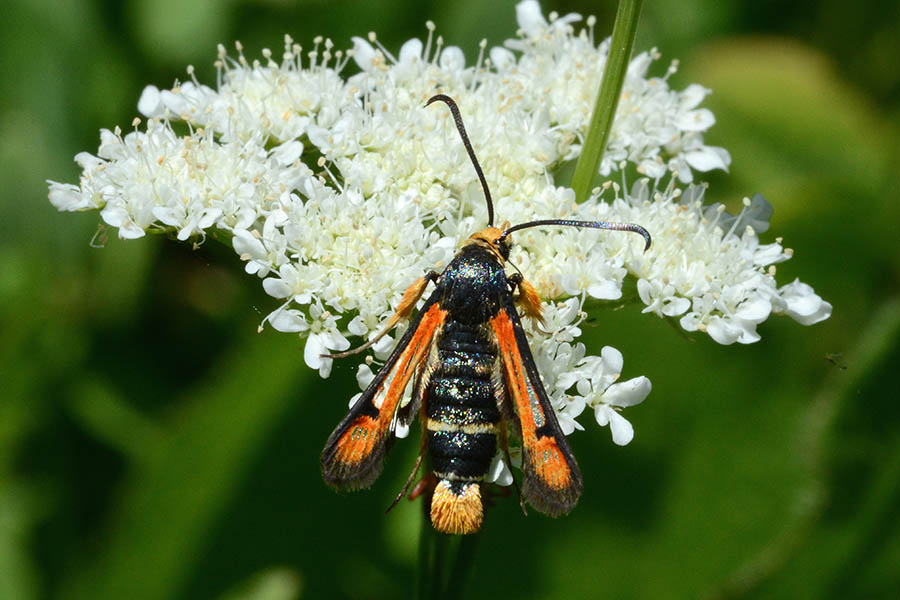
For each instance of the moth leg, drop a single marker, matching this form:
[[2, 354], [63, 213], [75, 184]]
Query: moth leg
[[407, 304], [406, 485], [426, 485], [504, 445], [527, 299], [422, 450]]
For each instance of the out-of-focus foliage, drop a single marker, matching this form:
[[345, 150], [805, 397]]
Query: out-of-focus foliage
[[153, 445]]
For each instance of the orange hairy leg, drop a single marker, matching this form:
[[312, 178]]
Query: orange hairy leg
[[529, 301], [404, 309]]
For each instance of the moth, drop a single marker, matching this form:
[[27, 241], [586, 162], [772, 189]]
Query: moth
[[475, 382]]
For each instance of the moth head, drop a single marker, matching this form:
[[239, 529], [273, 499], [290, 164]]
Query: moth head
[[494, 240]]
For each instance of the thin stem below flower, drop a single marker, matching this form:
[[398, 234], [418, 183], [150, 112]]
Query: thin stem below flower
[[445, 561], [608, 95], [461, 570]]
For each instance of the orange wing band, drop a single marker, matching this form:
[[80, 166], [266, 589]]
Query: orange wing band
[[366, 433], [546, 459]]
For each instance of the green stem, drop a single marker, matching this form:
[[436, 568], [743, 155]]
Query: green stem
[[439, 564], [458, 582], [611, 84], [445, 562], [426, 574]]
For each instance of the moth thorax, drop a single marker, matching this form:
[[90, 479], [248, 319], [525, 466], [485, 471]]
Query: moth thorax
[[456, 507]]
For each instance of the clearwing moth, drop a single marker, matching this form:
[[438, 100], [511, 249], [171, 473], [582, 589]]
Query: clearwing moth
[[475, 383]]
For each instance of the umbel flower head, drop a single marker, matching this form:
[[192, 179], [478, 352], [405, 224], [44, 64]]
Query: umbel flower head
[[337, 188]]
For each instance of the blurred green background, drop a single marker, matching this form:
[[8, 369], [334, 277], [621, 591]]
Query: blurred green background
[[153, 445]]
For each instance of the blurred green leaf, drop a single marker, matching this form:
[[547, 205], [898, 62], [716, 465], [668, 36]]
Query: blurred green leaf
[[170, 504], [796, 130], [20, 578], [272, 584], [103, 412]]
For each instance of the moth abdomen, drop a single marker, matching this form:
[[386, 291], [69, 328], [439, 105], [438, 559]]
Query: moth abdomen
[[461, 425]]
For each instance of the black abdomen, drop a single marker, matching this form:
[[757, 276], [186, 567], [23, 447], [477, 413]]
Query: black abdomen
[[461, 407]]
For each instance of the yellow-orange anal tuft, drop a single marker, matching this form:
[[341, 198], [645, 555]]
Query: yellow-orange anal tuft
[[456, 514]]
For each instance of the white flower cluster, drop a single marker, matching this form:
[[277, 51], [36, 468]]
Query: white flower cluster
[[339, 191]]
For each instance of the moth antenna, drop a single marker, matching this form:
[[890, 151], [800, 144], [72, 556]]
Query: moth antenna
[[454, 110], [586, 224]]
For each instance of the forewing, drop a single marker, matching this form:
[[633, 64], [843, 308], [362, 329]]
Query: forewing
[[354, 454], [552, 480]]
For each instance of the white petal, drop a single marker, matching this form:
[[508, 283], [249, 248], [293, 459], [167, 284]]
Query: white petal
[[150, 103], [502, 58], [363, 53], [277, 288], [382, 347], [114, 215], [652, 168], [723, 331], [609, 289], [612, 360], [696, 120], [325, 369], [247, 244], [167, 215], [88, 161], [567, 423], [628, 393], [452, 59], [287, 153], [529, 17], [583, 387], [674, 306], [364, 376], [769, 254], [748, 334], [499, 472], [693, 95], [622, 431], [410, 51], [68, 197], [708, 158], [175, 103], [130, 231], [313, 350], [288, 321], [357, 326], [644, 289], [756, 310], [803, 304], [690, 321], [335, 340], [208, 217], [639, 64], [566, 380], [401, 430]]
